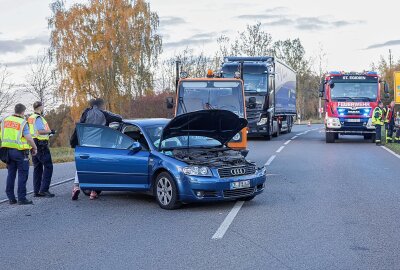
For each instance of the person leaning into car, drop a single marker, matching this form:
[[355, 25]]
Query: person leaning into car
[[96, 115], [17, 140], [42, 162]]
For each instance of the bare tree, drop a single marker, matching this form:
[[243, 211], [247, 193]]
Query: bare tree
[[7, 95], [40, 82]]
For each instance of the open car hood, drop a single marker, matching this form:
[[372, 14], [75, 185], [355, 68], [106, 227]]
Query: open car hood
[[220, 125]]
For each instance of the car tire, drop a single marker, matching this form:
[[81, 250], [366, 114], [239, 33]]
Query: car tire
[[249, 198], [87, 192], [166, 192]]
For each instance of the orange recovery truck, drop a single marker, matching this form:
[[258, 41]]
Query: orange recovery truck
[[211, 92]]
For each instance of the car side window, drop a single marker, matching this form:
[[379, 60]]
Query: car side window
[[136, 134], [102, 137]]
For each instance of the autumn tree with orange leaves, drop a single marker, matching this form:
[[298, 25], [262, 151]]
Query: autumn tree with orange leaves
[[105, 48]]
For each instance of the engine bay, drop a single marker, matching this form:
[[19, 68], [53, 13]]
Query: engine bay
[[215, 157]]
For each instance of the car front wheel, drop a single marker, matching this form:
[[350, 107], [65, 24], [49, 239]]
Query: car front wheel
[[166, 192]]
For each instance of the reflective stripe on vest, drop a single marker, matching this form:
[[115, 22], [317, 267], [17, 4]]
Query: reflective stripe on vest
[[12, 129], [377, 120], [32, 127]]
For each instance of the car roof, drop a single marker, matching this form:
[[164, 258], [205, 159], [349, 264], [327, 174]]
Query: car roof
[[144, 122]]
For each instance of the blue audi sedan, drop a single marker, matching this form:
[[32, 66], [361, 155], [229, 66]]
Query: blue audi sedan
[[181, 160]]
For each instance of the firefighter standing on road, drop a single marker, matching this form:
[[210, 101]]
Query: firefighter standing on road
[[377, 121], [389, 122], [42, 162], [16, 138]]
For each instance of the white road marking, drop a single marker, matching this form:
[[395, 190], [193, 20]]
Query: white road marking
[[391, 152], [270, 160], [228, 221], [287, 142], [52, 185], [294, 137], [299, 134], [280, 149]]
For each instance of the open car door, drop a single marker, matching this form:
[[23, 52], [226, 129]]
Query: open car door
[[106, 159]]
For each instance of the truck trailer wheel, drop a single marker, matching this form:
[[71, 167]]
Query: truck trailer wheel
[[330, 137]]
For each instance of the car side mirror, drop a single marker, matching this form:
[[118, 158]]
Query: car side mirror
[[170, 102], [135, 147], [331, 85], [385, 88]]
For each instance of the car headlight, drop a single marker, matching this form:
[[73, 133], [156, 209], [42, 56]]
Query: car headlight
[[197, 171], [333, 122], [237, 137], [262, 121]]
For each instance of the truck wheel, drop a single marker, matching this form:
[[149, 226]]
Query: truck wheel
[[367, 136], [373, 138], [330, 137]]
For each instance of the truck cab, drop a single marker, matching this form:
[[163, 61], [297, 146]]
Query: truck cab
[[270, 92], [350, 98], [210, 93]]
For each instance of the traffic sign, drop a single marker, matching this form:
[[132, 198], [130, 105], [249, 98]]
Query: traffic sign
[[397, 87]]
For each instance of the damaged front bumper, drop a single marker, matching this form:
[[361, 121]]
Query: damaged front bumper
[[195, 188]]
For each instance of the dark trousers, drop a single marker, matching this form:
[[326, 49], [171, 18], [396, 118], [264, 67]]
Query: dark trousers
[[398, 135], [43, 169], [378, 133], [389, 132], [18, 161]]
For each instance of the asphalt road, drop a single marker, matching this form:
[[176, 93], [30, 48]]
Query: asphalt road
[[326, 206]]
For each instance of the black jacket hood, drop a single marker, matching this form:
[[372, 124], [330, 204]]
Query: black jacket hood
[[220, 125]]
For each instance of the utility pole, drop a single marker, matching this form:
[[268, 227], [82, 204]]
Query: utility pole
[[390, 59]]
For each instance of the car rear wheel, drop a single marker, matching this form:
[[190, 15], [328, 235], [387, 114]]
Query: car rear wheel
[[166, 192], [87, 192]]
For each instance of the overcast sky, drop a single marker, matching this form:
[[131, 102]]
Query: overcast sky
[[353, 33]]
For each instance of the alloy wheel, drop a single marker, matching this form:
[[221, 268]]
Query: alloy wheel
[[164, 190]]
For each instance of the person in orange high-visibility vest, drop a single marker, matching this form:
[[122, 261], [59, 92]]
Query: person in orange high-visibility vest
[[42, 162], [16, 139]]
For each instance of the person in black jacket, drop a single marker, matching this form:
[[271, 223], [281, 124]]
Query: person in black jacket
[[96, 115]]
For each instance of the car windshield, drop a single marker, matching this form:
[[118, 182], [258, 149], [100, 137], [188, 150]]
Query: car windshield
[[154, 132], [207, 95], [253, 82], [354, 91]]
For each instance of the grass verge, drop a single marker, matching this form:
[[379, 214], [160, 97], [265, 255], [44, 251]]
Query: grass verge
[[395, 147], [59, 155]]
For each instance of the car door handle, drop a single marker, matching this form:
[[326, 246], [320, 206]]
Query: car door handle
[[84, 156]]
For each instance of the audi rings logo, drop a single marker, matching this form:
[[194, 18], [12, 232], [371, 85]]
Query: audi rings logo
[[238, 171]]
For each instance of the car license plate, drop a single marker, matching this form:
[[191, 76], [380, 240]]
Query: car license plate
[[240, 184], [354, 120]]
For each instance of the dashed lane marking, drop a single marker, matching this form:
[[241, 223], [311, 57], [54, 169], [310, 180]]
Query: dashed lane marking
[[270, 160], [280, 149], [287, 142], [228, 221], [52, 185], [294, 137], [391, 152]]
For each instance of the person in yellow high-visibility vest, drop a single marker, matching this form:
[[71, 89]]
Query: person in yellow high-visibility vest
[[16, 138], [377, 121], [42, 162]]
